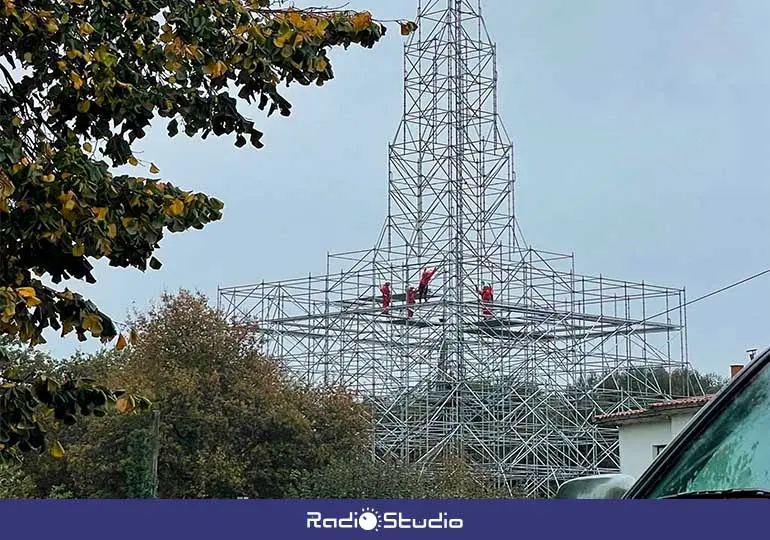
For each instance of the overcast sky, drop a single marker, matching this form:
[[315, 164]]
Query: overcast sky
[[640, 130]]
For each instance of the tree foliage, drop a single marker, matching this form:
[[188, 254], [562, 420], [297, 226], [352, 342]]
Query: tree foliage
[[80, 82], [14, 482], [231, 424], [33, 400], [361, 478]]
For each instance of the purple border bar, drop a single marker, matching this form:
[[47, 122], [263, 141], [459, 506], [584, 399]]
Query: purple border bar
[[288, 519]]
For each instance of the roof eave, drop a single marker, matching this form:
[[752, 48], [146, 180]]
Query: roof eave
[[646, 416]]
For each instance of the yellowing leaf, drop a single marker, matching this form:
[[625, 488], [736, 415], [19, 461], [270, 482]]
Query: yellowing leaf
[[361, 21], [133, 161], [78, 250], [154, 169], [93, 323], [86, 29], [66, 328], [15, 121], [64, 198], [407, 27], [320, 27], [215, 69], [121, 343], [99, 213], [102, 55], [124, 404], [84, 105], [294, 17], [48, 178], [6, 186], [133, 337], [77, 81], [175, 208], [56, 450], [280, 41], [112, 230], [51, 27], [26, 292], [104, 246], [87, 147]]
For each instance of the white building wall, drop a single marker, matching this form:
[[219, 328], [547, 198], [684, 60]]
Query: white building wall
[[679, 421], [637, 443]]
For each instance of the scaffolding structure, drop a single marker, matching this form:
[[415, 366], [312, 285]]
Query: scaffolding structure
[[512, 384]]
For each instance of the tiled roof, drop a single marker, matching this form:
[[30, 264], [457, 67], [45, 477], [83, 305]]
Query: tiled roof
[[659, 406], [683, 402], [620, 414]]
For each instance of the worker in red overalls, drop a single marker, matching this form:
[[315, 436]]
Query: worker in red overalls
[[422, 289], [486, 298], [411, 294], [386, 296]]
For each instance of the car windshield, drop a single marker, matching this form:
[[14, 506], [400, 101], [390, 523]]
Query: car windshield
[[733, 452]]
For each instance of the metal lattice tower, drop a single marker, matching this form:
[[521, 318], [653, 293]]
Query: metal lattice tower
[[513, 390]]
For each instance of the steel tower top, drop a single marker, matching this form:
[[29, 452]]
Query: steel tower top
[[451, 163]]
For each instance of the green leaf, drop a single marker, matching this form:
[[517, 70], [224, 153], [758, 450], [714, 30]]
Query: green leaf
[[173, 128], [216, 204]]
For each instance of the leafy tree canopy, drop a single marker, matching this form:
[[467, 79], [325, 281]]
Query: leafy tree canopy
[[33, 400], [81, 81], [231, 424]]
